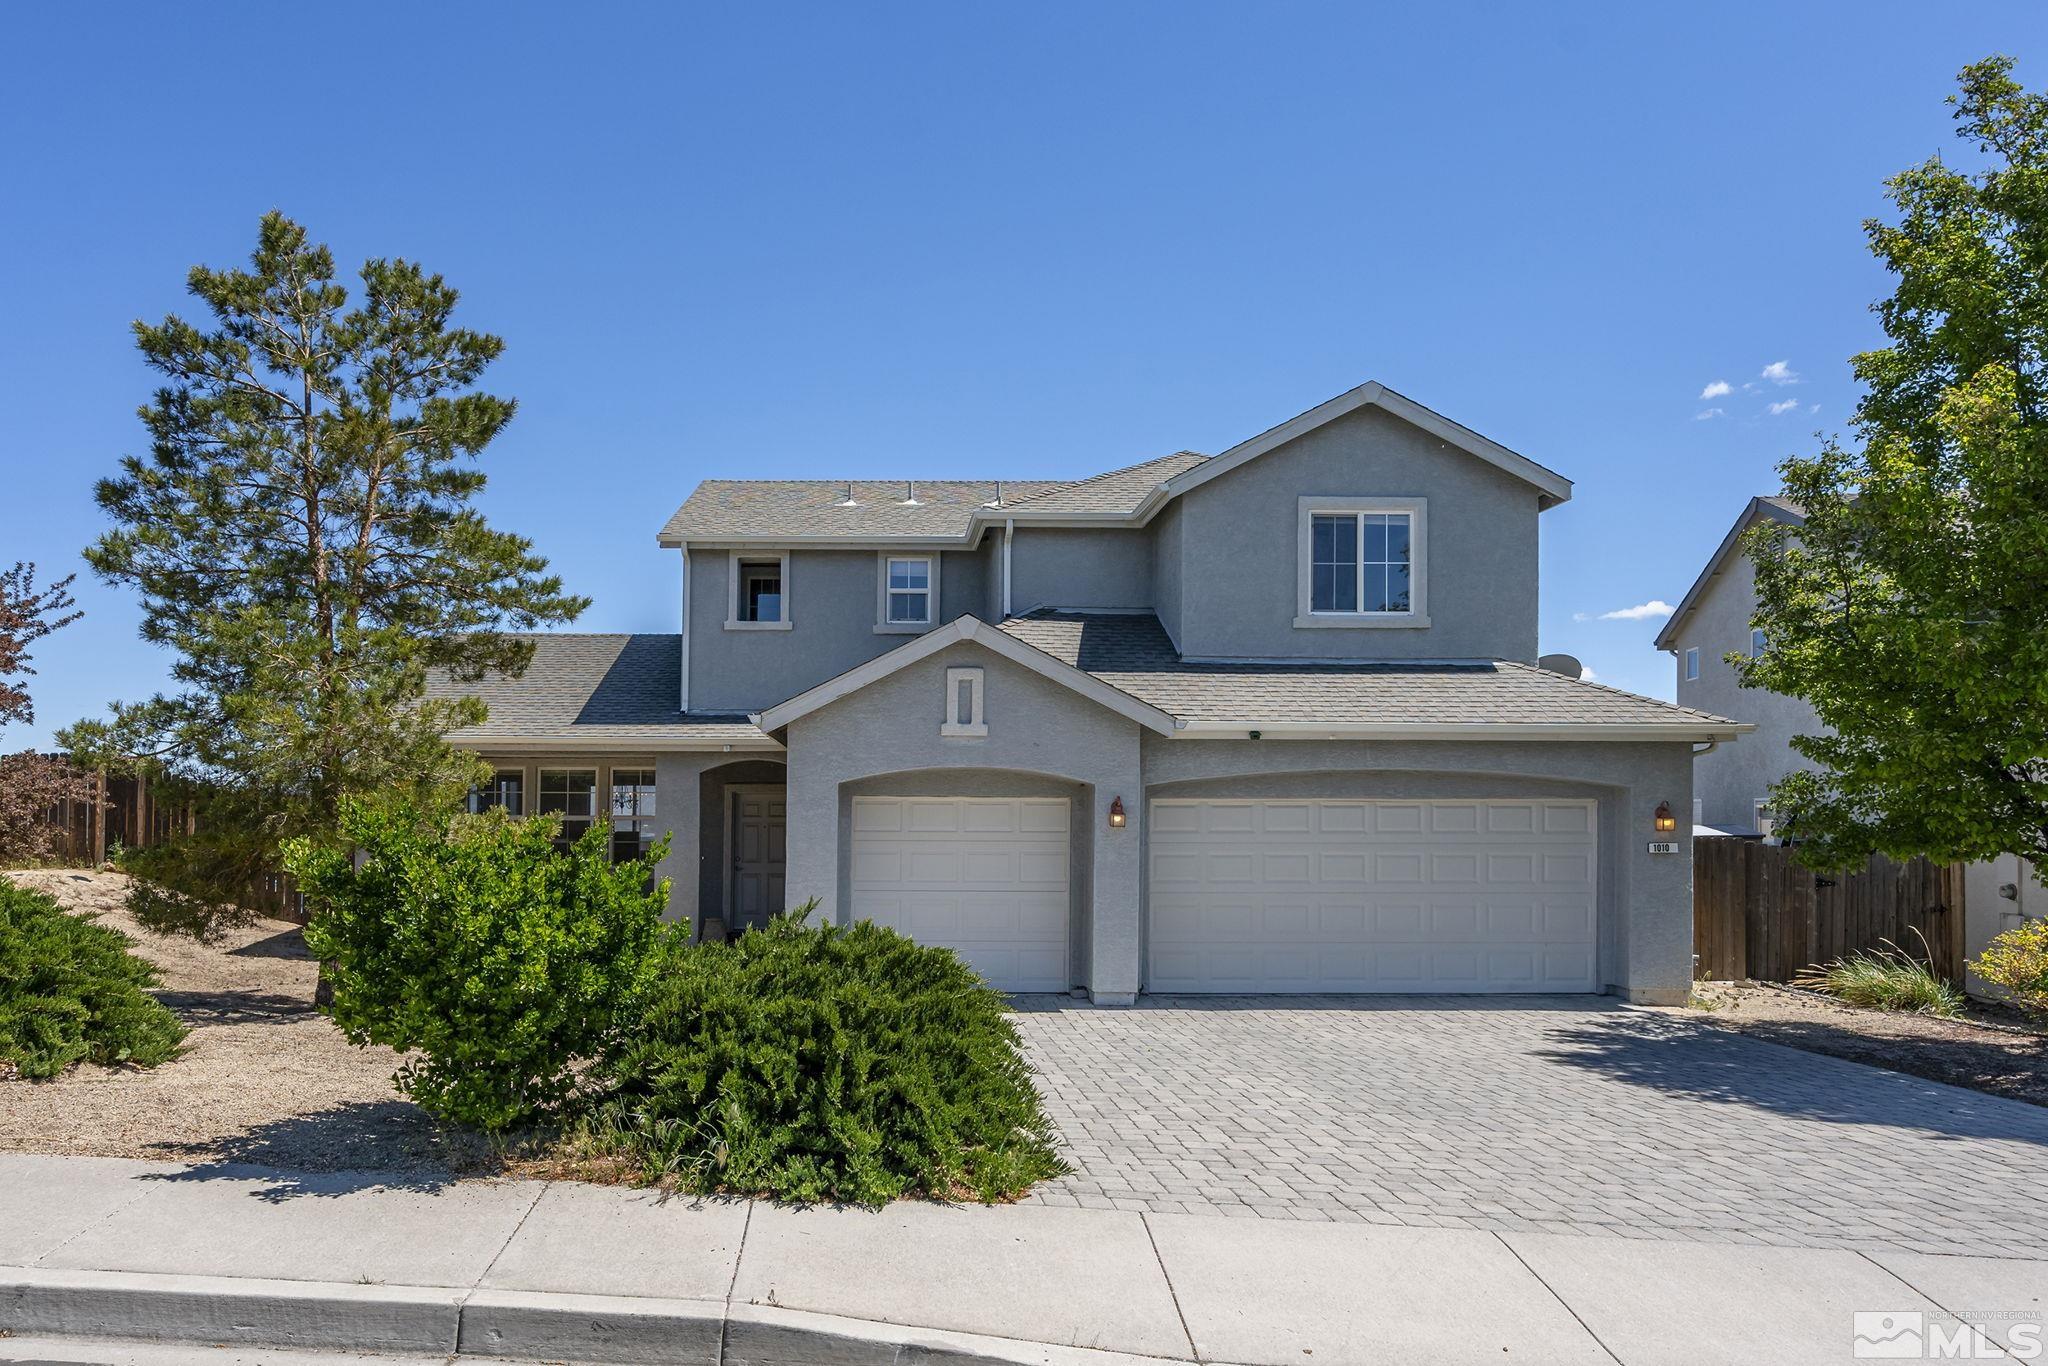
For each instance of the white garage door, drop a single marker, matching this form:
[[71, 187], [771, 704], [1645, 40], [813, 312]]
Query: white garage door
[[1295, 896], [986, 878]]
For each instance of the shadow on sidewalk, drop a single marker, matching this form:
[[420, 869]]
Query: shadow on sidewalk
[[1702, 1061], [360, 1146]]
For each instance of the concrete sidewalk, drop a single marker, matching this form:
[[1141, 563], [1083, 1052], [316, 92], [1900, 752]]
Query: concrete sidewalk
[[102, 1248]]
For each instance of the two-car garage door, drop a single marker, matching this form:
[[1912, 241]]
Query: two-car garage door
[[1373, 896]]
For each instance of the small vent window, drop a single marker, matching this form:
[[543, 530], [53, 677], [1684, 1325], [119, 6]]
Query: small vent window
[[964, 701]]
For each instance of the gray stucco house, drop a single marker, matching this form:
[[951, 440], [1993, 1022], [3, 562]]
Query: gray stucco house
[[1265, 721]]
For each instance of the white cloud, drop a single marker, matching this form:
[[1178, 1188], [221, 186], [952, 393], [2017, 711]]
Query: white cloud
[[1642, 611], [1787, 406], [1587, 675], [1780, 372], [1720, 388], [1708, 414]]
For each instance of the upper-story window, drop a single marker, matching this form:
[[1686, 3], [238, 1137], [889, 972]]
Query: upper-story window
[[1757, 644], [1362, 562], [1692, 663], [907, 592], [760, 592]]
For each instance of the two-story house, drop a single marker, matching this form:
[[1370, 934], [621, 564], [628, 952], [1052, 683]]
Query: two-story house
[[1731, 785], [1265, 721]]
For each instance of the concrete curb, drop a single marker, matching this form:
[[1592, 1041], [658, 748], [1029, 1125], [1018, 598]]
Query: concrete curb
[[543, 1326]]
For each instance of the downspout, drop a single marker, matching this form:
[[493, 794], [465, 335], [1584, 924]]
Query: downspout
[[1009, 530], [684, 700], [1708, 748]]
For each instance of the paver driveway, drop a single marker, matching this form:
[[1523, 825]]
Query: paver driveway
[[1574, 1115]]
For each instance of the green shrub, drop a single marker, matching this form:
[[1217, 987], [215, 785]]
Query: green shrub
[[1886, 979], [818, 1063], [499, 959], [70, 991], [2018, 961]]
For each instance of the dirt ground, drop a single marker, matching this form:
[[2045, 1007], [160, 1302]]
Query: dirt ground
[[263, 1079], [2010, 1061]]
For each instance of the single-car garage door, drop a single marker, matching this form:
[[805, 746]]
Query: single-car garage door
[[1347, 896], [984, 877]]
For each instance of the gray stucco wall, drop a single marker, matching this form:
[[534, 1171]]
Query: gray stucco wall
[[1645, 899], [1166, 569], [689, 794], [1035, 726], [1068, 567], [1731, 779], [833, 614], [1239, 562]]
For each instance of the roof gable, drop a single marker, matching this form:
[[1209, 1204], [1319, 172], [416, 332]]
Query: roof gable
[[1756, 510], [1552, 488]]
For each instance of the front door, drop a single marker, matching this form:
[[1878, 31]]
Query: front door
[[759, 843]]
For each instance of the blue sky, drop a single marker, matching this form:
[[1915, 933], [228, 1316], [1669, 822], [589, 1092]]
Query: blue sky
[[962, 240]]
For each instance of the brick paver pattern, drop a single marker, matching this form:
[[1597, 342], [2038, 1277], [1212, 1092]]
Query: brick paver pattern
[[1567, 1115]]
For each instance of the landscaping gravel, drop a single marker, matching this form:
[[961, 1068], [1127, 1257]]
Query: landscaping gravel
[[1993, 1053], [263, 1079]]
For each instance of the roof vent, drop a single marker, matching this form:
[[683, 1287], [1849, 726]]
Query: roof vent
[[996, 501], [910, 494], [847, 502], [1567, 665]]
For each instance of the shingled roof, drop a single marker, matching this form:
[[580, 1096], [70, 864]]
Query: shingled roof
[[616, 692], [755, 509], [1117, 493], [1133, 654]]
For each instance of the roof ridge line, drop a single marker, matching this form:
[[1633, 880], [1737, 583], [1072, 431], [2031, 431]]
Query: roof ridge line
[[1108, 474]]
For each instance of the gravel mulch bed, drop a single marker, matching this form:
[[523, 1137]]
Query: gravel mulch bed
[[1995, 1052], [264, 1079]]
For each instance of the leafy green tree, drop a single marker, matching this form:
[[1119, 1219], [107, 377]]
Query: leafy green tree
[[1911, 608], [303, 536]]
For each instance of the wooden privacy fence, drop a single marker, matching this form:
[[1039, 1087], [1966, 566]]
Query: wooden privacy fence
[[1759, 913]]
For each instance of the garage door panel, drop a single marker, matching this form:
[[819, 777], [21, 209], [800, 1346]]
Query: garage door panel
[[1228, 910], [985, 878]]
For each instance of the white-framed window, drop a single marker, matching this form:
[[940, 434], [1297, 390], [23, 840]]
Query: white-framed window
[[964, 699], [632, 806], [1362, 562], [906, 592], [506, 792], [759, 597], [1757, 644], [570, 793], [1692, 663]]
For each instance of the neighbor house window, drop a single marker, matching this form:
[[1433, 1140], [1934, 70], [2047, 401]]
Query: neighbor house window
[[633, 831], [570, 793], [1361, 562], [506, 792], [1692, 663], [760, 592], [1756, 644], [1765, 822]]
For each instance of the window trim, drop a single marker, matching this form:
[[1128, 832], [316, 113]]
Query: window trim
[[976, 726], [886, 627], [612, 817], [600, 796], [1758, 642], [732, 589], [1417, 512], [1692, 664]]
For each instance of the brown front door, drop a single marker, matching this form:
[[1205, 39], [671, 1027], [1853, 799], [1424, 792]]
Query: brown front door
[[759, 843]]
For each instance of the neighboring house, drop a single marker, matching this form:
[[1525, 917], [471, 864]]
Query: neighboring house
[[1268, 721], [1731, 784]]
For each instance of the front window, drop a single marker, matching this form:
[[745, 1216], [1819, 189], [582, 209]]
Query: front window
[[506, 792], [910, 592], [760, 590], [570, 793], [1360, 562], [633, 831]]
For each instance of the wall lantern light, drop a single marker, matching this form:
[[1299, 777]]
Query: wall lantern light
[[1116, 813], [1666, 822]]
